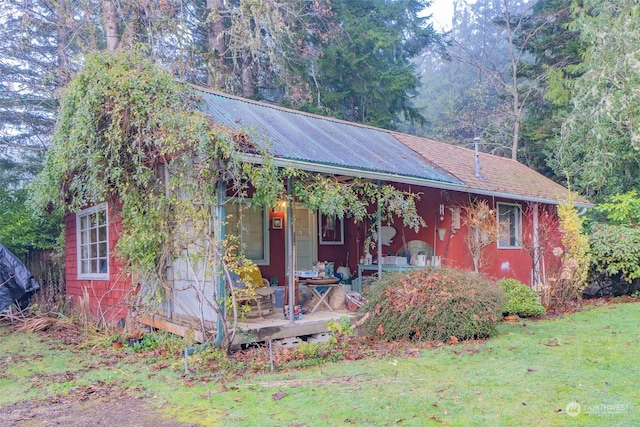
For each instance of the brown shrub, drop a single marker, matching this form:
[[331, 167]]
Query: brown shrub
[[433, 305]]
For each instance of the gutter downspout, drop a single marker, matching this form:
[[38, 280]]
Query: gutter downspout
[[220, 234]]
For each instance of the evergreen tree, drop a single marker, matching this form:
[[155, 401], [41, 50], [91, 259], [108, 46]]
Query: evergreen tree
[[365, 73], [557, 51], [39, 41], [596, 150]]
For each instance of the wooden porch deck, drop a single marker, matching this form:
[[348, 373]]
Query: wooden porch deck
[[275, 326], [271, 327]]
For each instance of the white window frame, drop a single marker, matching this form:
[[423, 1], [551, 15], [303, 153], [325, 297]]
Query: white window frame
[[245, 203], [517, 227], [100, 275]]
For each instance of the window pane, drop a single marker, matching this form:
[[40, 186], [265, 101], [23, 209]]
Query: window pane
[[93, 250], [248, 224], [510, 227], [101, 216], [102, 234], [253, 234], [102, 250], [232, 218]]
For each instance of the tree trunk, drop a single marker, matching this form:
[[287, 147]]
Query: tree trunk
[[111, 25], [515, 106], [248, 89], [63, 73], [217, 47]]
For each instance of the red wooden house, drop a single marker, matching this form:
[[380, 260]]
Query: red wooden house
[[449, 177]]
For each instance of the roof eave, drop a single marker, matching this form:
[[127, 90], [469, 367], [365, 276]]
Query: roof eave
[[357, 173], [523, 198], [404, 179]]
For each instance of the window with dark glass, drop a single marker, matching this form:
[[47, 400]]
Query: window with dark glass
[[510, 225]]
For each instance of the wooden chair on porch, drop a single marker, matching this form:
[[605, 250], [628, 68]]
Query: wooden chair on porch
[[257, 296]]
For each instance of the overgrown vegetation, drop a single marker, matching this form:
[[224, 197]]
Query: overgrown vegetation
[[469, 383], [433, 305], [614, 243], [521, 300], [564, 286], [129, 134], [23, 230], [615, 249], [482, 229]]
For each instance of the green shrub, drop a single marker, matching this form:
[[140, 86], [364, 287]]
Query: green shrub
[[615, 249], [433, 305], [521, 299]]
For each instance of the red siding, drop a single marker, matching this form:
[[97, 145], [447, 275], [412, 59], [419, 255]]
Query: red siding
[[498, 263], [107, 298]]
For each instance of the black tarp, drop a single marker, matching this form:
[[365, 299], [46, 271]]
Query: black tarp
[[17, 284]]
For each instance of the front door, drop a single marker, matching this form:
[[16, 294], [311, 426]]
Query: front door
[[305, 237]]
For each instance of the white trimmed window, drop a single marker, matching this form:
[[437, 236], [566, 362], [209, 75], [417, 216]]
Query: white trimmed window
[[509, 226], [93, 246], [251, 225]]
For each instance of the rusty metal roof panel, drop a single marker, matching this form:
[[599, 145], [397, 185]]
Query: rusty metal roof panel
[[294, 135]]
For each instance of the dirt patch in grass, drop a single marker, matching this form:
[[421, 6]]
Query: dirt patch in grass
[[97, 404], [81, 413]]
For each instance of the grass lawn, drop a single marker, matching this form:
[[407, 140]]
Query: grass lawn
[[578, 370]]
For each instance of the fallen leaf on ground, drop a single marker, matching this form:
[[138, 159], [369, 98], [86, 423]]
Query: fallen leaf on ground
[[412, 352], [279, 395]]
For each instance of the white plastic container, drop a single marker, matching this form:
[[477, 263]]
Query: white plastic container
[[422, 260], [368, 259]]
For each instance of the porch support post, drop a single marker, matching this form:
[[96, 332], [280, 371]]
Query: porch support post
[[169, 269], [290, 271], [379, 226], [537, 279], [220, 234]]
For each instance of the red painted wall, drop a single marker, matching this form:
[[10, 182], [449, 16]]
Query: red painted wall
[[107, 298], [499, 263]]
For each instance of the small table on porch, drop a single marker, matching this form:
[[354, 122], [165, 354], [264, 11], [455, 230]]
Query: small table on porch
[[315, 285]]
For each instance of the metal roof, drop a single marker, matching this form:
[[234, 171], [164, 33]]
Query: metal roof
[[307, 138]]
